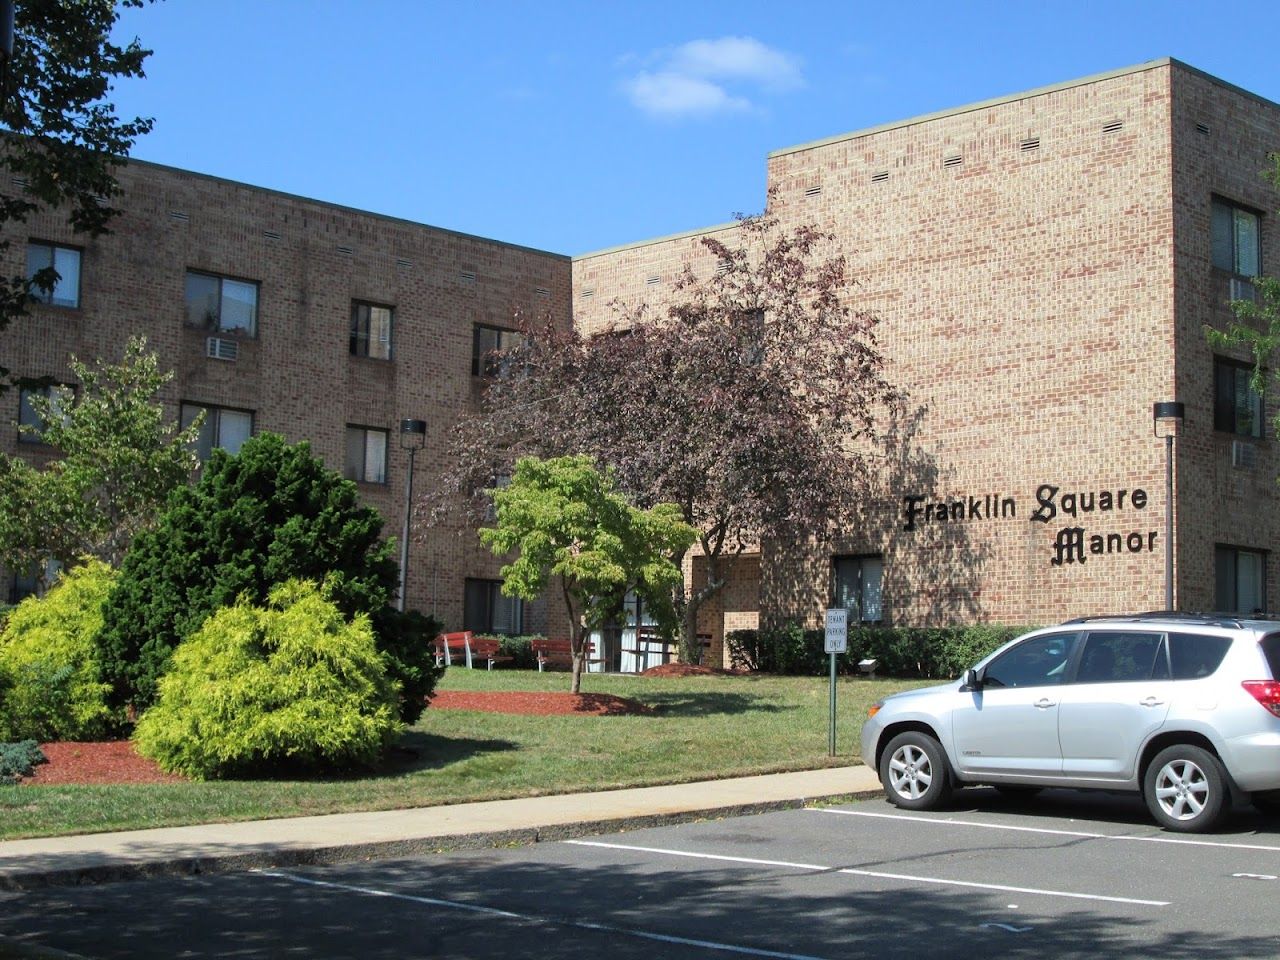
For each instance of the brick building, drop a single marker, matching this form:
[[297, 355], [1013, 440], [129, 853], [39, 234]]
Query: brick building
[[1043, 266]]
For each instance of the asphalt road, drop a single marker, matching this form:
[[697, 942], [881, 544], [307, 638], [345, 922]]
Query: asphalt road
[[1066, 875]]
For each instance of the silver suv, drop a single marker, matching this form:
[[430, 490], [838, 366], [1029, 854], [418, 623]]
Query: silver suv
[[1184, 708]]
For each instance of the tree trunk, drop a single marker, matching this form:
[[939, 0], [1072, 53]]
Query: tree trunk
[[690, 647], [577, 649]]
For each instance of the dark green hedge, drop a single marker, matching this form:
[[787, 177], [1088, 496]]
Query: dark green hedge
[[908, 652]]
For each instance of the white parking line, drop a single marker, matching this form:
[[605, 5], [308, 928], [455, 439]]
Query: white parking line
[[879, 874], [556, 921], [1129, 838]]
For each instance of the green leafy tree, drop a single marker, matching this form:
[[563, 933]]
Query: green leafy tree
[[120, 458], [292, 683], [565, 520], [69, 140], [270, 513], [49, 671], [1257, 326]]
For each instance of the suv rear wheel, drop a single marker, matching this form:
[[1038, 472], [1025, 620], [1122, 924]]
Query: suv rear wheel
[[1185, 788], [914, 772]]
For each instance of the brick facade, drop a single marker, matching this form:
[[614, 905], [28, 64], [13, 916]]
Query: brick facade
[[1040, 265]]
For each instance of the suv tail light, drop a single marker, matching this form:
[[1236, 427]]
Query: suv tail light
[[1266, 692]]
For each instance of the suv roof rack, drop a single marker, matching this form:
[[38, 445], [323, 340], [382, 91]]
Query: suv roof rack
[[1151, 616]]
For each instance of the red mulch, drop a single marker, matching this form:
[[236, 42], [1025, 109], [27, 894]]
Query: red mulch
[[538, 704], [114, 761]]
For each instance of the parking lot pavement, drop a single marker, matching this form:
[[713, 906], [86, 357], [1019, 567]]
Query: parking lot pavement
[[1066, 875]]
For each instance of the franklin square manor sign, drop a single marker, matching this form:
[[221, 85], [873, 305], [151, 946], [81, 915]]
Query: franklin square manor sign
[[1072, 544]]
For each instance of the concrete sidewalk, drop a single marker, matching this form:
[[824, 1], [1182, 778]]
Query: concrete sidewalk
[[209, 848]]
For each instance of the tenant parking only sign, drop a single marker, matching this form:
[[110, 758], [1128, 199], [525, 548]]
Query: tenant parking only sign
[[837, 639]]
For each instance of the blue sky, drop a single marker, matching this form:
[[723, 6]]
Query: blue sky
[[574, 126]]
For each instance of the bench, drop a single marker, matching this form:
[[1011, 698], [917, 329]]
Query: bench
[[449, 646], [558, 652], [488, 649]]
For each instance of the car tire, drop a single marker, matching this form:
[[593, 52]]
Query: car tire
[[914, 772], [1185, 789]]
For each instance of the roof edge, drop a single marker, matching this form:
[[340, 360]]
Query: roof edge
[[993, 102], [132, 161], [646, 243]]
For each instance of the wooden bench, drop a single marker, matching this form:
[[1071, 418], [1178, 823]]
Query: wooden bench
[[453, 645], [558, 653], [488, 649]]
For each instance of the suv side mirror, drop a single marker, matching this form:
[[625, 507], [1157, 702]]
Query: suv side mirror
[[972, 679]]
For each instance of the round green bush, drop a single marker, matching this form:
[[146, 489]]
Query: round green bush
[[50, 685], [290, 685]]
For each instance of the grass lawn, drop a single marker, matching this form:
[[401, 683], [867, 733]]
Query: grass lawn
[[701, 728]]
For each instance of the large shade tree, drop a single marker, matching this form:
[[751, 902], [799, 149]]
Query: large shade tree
[[751, 403], [563, 520], [70, 141]]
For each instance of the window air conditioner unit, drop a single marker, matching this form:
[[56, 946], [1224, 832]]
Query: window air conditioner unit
[[1238, 289], [220, 348], [1244, 456]]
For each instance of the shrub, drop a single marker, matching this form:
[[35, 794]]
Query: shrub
[[519, 649], [907, 652], [49, 660], [19, 760], [406, 643], [254, 520], [292, 684]]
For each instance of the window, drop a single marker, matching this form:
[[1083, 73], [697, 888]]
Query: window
[[223, 428], [222, 305], [856, 587], [1237, 407], [34, 582], [486, 610], [370, 331], [1239, 579], [487, 342], [60, 398], [1039, 662], [1194, 656], [65, 261], [366, 455], [1235, 240], [1117, 657]]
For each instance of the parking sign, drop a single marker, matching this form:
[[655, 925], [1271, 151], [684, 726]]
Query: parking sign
[[837, 638]]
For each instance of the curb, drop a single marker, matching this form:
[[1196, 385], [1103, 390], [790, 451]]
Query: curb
[[381, 850]]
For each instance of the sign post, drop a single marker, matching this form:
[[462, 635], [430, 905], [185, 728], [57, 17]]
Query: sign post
[[837, 641]]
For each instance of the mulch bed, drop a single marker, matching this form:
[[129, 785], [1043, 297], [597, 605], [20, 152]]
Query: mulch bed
[[110, 762], [538, 704], [689, 670]]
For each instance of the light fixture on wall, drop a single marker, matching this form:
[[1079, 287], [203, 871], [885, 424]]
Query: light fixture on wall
[[1166, 422], [413, 437]]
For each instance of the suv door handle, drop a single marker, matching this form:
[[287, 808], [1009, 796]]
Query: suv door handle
[[1044, 703], [1150, 702]]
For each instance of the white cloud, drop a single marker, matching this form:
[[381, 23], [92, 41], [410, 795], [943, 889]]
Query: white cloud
[[707, 76]]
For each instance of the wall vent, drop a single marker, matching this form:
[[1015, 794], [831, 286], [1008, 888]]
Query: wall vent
[[220, 348], [813, 191], [880, 177], [588, 293], [1113, 126], [19, 181], [953, 161], [1031, 143], [467, 276], [271, 234], [542, 292], [723, 266], [1244, 455], [1202, 128], [178, 215], [343, 248], [650, 281], [100, 200], [402, 262]]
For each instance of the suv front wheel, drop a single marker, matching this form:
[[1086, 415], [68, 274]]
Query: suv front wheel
[[914, 772], [1185, 788]]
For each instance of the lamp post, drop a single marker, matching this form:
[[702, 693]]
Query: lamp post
[[1170, 414], [413, 437]]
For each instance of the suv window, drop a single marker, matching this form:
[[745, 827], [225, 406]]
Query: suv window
[[1194, 655], [1271, 649], [1038, 662], [1120, 657]]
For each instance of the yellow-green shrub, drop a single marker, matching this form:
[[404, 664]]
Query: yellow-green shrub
[[292, 684], [49, 671]]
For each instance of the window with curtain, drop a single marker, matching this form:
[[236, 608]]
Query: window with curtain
[[857, 587], [371, 331], [366, 459], [65, 262], [223, 428], [221, 305], [1237, 407], [1240, 578]]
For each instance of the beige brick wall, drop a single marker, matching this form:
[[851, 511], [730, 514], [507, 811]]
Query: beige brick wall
[[297, 375]]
